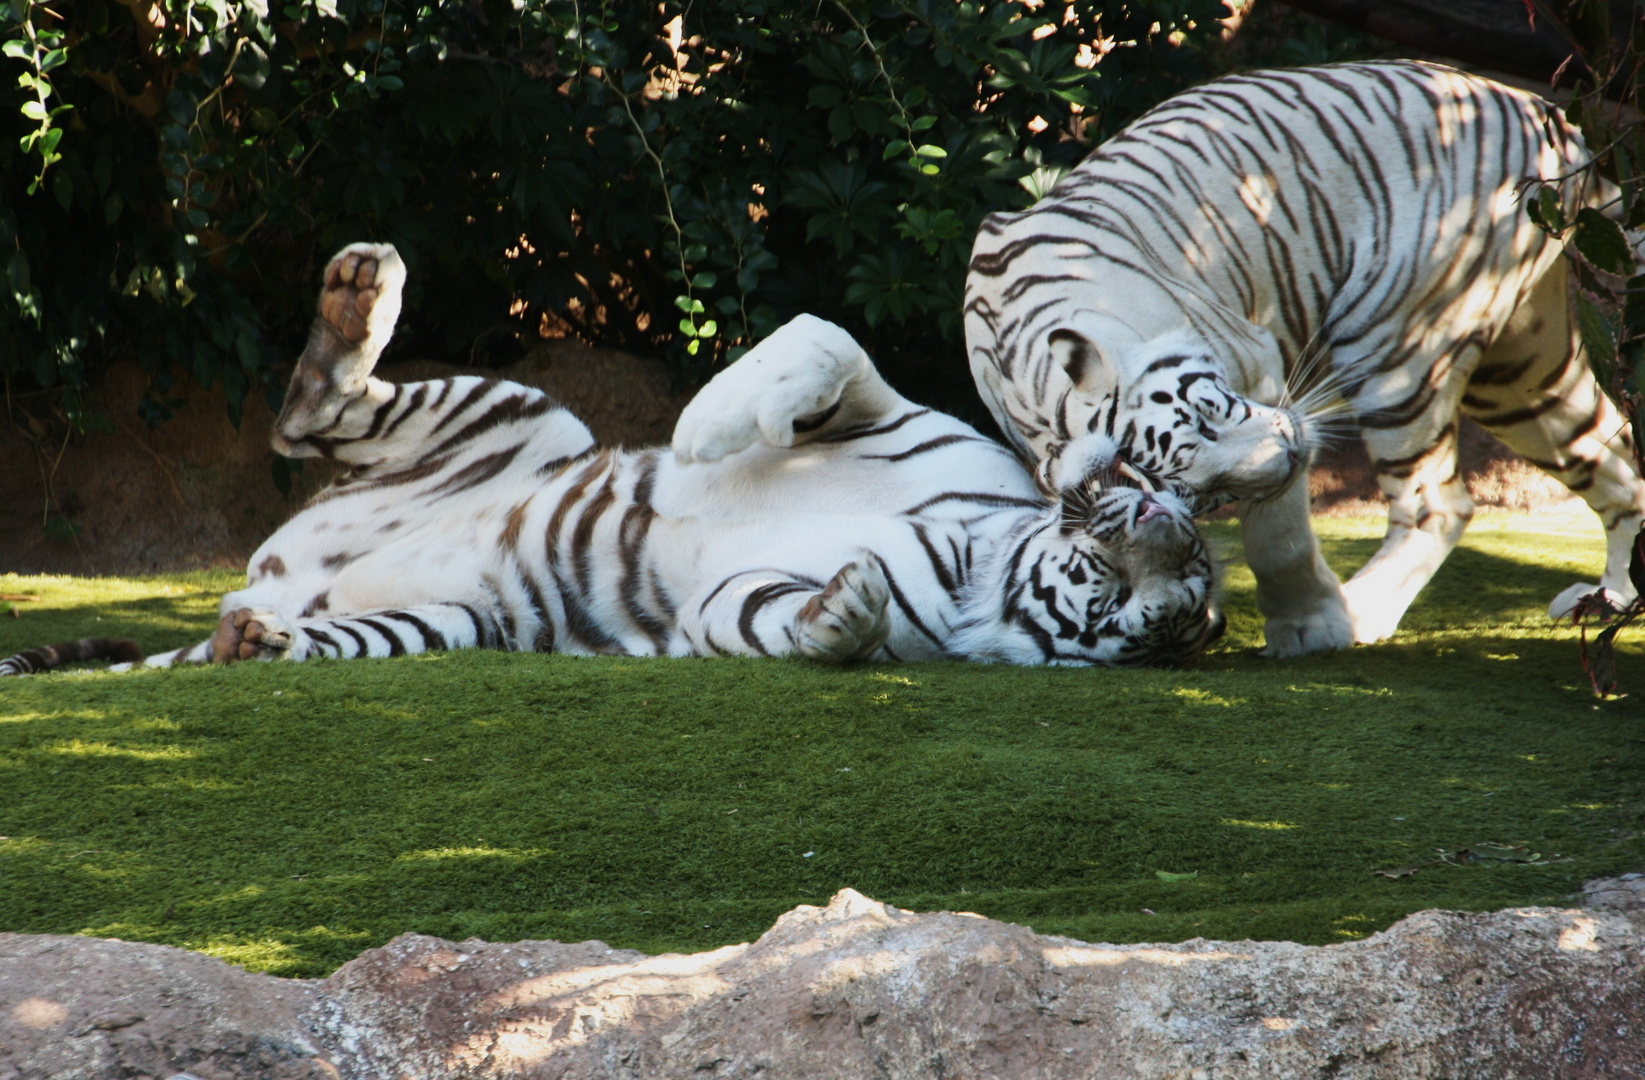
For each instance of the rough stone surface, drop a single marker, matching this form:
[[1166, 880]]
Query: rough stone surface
[[859, 989], [78, 1008]]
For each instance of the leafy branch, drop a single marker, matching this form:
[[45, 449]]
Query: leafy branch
[[43, 51]]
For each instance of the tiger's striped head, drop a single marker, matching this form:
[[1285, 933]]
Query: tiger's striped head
[[1111, 577], [1162, 416]]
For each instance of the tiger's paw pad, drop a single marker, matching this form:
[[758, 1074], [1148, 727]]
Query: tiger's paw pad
[[787, 385], [245, 634], [850, 618], [362, 291], [1594, 597]]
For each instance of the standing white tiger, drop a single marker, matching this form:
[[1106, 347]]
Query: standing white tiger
[[806, 508], [1351, 231]]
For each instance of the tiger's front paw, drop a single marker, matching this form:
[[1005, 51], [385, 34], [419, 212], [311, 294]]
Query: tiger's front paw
[[361, 295], [245, 634], [1325, 629], [787, 385], [850, 618]]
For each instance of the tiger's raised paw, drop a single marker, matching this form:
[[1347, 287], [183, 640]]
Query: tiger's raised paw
[[785, 386], [850, 618], [245, 634], [360, 298]]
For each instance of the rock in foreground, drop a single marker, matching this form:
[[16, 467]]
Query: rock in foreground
[[859, 989]]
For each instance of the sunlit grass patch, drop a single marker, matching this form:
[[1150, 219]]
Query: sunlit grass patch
[[287, 816]]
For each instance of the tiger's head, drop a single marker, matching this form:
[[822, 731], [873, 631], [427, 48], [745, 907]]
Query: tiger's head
[[1163, 415], [1111, 577]]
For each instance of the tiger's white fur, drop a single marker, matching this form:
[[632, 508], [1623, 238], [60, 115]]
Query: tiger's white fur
[[806, 508], [1350, 233]]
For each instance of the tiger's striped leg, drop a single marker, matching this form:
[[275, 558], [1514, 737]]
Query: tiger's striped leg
[[1428, 509], [359, 304], [807, 380], [257, 634], [777, 613], [1535, 392]]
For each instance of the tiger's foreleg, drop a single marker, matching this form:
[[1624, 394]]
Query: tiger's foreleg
[[805, 381], [777, 613], [1298, 594]]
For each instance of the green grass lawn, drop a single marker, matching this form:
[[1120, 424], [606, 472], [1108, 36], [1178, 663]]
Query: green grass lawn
[[287, 816]]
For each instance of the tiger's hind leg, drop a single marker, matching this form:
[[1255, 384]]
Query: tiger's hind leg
[[358, 307], [1535, 392], [1428, 509], [804, 382], [777, 613], [249, 633]]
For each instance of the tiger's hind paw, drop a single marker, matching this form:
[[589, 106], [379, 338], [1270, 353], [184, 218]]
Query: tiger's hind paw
[[1595, 597], [361, 295], [850, 618], [786, 386], [245, 634]]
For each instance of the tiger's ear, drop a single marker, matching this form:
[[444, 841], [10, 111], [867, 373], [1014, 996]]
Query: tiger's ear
[[1091, 369]]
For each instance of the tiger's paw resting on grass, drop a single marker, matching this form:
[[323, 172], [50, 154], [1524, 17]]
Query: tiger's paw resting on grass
[[245, 634], [849, 618], [1594, 597]]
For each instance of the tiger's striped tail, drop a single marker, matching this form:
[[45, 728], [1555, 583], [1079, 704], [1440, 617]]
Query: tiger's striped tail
[[49, 657]]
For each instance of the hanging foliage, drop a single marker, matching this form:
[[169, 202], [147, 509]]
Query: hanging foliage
[[670, 179]]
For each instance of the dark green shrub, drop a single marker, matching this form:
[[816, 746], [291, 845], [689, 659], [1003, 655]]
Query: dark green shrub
[[175, 172]]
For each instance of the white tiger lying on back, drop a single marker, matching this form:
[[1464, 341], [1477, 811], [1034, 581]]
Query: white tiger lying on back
[[806, 508], [1356, 229]]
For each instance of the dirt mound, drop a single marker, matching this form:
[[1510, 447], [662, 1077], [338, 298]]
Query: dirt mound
[[197, 492]]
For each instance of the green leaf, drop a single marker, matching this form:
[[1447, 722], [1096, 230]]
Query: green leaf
[[54, 59], [894, 148], [34, 110], [1551, 213], [922, 123], [930, 150], [683, 302], [824, 96], [1597, 338], [1601, 242], [688, 328], [930, 170], [705, 279], [62, 188], [708, 329]]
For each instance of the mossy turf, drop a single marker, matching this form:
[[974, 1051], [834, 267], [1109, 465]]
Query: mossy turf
[[288, 816]]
